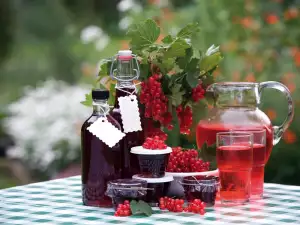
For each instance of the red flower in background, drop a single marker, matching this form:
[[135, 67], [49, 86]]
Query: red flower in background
[[250, 77], [297, 58], [291, 13], [289, 137], [272, 18], [246, 22], [271, 114]]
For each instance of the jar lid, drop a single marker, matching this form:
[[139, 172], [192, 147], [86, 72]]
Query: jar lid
[[196, 180], [164, 179], [126, 183], [139, 150]]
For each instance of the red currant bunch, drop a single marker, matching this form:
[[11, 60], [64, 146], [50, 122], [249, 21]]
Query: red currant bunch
[[123, 209], [153, 131], [154, 143], [177, 205], [173, 205], [155, 101], [196, 206], [186, 161], [198, 93], [185, 118]]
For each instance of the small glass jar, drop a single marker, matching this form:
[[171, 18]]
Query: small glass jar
[[204, 188], [126, 189], [156, 188], [153, 163]]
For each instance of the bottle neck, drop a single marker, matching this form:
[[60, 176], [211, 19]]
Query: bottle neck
[[100, 107], [124, 88]]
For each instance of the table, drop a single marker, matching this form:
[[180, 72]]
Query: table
[[58, 202]]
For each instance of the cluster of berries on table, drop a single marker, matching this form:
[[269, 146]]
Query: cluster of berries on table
[[155, 143], [198, 93], [123, 209], [186, 161], [155, 101], [177, 205], [185, 118]]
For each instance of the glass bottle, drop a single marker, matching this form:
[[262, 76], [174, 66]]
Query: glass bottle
[[100, 163], [125, 70]]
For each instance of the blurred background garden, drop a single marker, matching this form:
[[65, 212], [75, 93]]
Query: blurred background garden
[[50, 49]]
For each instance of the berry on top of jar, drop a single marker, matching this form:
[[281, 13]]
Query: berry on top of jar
[[155, 143]]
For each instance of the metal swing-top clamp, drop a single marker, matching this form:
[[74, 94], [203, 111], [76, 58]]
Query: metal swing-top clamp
[[124, 66]]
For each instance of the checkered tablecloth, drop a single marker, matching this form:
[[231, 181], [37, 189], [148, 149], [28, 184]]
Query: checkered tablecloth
[[59, 202]]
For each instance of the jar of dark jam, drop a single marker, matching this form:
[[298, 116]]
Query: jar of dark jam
[[156, 188], [204, 188], [126, 189]]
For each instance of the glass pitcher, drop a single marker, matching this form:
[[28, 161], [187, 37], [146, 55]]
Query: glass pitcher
[[236, 108]]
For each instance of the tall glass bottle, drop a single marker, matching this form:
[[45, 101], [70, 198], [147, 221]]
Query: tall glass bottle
[[125, 70], [100, 163]]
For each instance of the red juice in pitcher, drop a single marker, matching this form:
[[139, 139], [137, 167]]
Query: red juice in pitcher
[[206, 133]]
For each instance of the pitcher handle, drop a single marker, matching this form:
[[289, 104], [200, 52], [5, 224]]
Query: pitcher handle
[[279, 130]]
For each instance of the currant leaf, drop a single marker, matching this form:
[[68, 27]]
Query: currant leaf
[[140, 207], [188, 30], [143, 34], [88, 100]]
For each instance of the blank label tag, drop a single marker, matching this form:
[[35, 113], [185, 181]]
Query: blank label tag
[[130, 113], [106, 132]]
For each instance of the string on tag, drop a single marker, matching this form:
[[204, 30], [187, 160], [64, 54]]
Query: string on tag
[[107, 107], [120, 88]]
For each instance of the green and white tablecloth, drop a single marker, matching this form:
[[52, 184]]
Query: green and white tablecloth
[[59, 202]]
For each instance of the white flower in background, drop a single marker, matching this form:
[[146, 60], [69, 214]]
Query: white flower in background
[[43, 119], [102, 42], [125, 23], [94, 34], [126, 5]]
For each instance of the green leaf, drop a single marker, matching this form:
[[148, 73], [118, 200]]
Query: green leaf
[[167, 39], [190, 61], [210, 62], [140, 207], [174, 134], [105, 65], [88, 100], [112, 90], [188, 30], [143, 34], [176, 49], [144, 71], [168, 64], [208, 153], [196, 54], [192, 79], [177, 95]]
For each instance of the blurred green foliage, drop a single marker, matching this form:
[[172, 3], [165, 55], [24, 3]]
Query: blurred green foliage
[[259, 40]]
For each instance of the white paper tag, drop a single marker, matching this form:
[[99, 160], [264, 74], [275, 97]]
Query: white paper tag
[[106, 132], [130, 113]]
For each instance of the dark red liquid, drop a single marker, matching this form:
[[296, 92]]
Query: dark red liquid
[[235, 164], [257, 174], [100, 164], [130, 164], [207, 133]]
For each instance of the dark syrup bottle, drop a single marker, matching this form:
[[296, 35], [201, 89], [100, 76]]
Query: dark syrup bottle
[[125, 73], [100, 163]]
